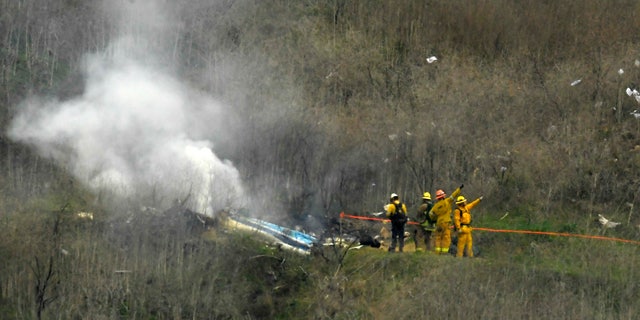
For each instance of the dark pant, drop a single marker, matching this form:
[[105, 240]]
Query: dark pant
[[424, 234], [397, 235]]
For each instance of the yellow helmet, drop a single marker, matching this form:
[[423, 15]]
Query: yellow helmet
[[426, 196], [460, 200]]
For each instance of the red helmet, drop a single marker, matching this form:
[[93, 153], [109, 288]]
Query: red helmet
[[440, 194]]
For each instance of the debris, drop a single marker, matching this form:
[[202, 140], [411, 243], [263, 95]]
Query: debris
[[432, 59], [283, 237], [606, 222], [633, 93], [384, 233], [635, 113], [576, 82], [339, 241], [637, 63], [620, 72], [85, 215], [367, 240]]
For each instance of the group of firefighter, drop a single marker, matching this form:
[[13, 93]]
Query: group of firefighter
[[434, 222]]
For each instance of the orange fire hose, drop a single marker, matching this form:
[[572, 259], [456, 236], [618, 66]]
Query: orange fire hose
[[548, 233]]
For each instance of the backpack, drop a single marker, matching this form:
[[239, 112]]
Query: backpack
[[399, 216], [428, 216], [423, 216], [460, 213]]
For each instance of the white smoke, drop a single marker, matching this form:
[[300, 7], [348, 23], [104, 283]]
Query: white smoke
[[135, 130]]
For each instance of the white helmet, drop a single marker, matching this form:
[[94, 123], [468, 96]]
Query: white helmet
[[394, 196]]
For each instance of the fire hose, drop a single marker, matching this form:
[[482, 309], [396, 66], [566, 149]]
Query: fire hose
[[548, 233]]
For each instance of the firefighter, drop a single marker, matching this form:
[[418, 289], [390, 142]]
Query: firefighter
[[441, 212], [426, 225], [462, 221], [397, 213]]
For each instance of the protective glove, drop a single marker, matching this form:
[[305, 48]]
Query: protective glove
[[462, 186], [481, 197]]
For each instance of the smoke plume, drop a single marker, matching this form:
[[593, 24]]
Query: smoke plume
[[136, 130]]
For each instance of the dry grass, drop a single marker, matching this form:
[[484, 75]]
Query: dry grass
[[563, 283], [153, 267], [160, 267]]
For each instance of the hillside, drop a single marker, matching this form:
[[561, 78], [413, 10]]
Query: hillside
[[167, 266], [293, 112]]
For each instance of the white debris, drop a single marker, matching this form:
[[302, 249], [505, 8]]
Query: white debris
[[339, 241], [432, 59], [85, 215], [393, 136], [636, 114], [606, 222], [620, 72], [122, 271], [633, 93], [576, 82], [637, 63]]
